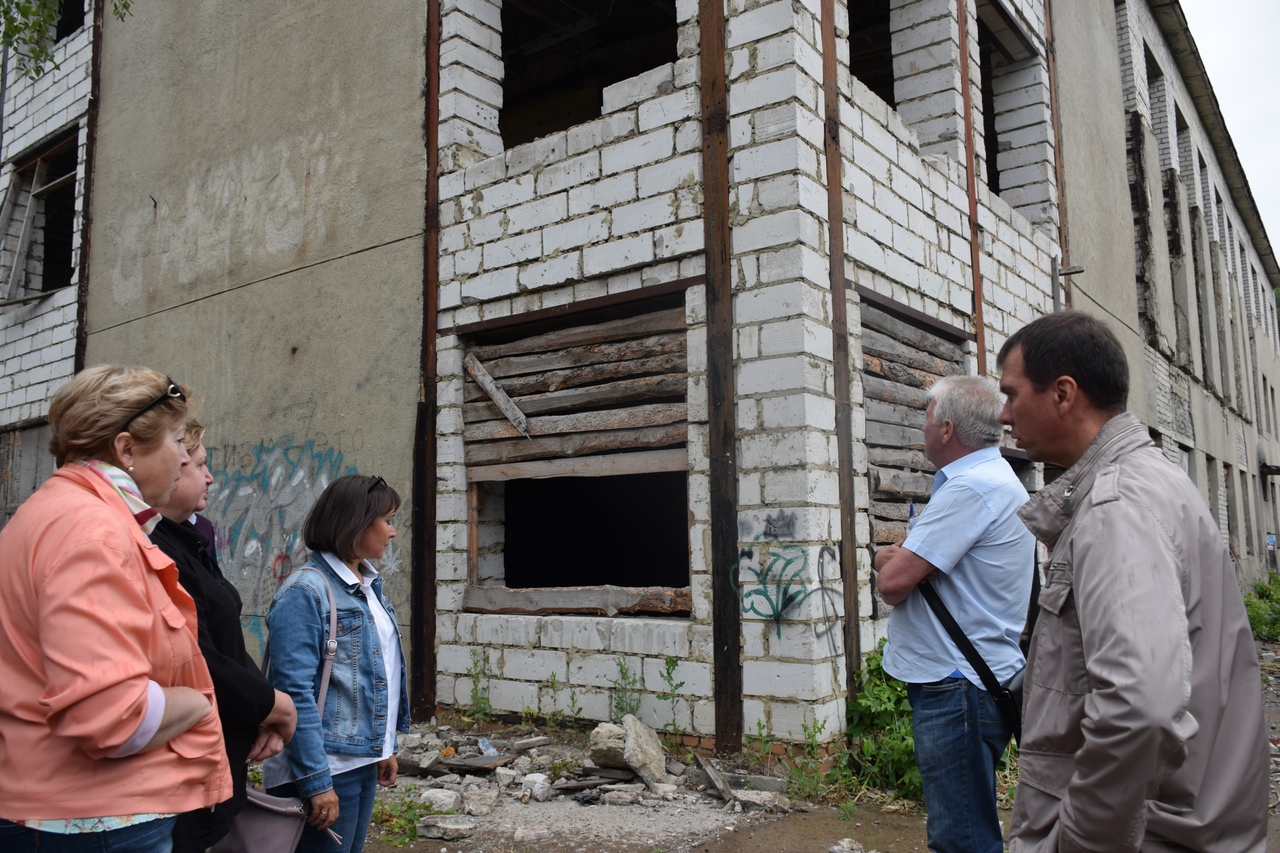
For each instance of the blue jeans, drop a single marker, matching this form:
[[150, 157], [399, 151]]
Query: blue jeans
[[959, 737], [154, 836], [355, 790]]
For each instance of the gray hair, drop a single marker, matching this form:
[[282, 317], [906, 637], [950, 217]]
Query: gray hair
[[972, 404]]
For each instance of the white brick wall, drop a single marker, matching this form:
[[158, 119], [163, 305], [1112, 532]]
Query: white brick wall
[[615, 204], [37, 339]]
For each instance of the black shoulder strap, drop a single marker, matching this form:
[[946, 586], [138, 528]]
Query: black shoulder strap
[[958, 637]]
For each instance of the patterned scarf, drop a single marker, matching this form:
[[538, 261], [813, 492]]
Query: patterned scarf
[[143, 513]]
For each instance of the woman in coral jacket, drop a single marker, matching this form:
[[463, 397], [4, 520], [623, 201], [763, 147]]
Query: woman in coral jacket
[[107, 714]]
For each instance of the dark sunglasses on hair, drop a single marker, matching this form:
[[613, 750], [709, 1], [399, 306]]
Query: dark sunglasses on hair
[[170, 393], [377, 481]]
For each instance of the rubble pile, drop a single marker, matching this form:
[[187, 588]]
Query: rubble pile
[[465, 779]]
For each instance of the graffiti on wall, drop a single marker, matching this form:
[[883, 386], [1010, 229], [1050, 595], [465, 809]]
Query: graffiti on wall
[[772, 576], [258, 501]]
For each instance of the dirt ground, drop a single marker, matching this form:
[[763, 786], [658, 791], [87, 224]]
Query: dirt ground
[[702, 825]]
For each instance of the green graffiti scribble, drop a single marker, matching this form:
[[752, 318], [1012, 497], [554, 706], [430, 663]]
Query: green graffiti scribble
[[780, 577]]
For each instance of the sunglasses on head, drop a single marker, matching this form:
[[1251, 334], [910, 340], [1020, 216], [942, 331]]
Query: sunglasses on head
[[171, 392], [377, 481]]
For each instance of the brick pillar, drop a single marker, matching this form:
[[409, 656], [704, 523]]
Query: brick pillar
[[788, 498], [926, 69], [470, 81]]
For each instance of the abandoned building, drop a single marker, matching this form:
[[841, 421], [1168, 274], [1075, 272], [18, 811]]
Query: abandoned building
[[636, 304]]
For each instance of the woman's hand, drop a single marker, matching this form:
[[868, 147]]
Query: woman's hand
[[265, 745], [388, 770], [283, 719], [324, 809], [183, 708]]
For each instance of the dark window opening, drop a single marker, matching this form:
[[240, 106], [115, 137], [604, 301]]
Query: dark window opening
[[559, 57], [871, 49], [59, 222], [38, 220], [70, 18], [625, 531], [991, 141]]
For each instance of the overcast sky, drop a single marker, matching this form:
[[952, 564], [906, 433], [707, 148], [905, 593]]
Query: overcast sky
[[1239, 42]]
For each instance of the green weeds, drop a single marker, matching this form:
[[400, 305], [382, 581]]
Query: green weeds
[[883, 751], [479, 673], [1263, 607], [397, 819], [625, 698]]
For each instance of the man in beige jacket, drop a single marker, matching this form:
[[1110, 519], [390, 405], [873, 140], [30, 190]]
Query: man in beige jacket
[[1143, 726]]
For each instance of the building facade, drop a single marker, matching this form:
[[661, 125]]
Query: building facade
[[638, 307]]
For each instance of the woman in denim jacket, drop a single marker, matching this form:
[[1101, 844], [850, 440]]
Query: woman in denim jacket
[[341, 753]]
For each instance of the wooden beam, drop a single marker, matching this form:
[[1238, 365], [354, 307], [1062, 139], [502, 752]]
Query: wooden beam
[[670, 320], [613, 465], [597, 396], [561, 315], [596, 352], [726, 617], [604, 600], [592, 374], [473, 534], [654, 414], [499, 397], [948, 331], [576, 444]]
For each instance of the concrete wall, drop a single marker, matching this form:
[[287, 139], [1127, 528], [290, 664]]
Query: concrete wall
[[259, 221], [1198, 331]]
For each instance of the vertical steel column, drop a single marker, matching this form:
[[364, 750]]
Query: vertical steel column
[[840, 335], [422, 557]]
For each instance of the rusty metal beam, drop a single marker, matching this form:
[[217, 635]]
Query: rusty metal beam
[[840, 336], [422, 552]]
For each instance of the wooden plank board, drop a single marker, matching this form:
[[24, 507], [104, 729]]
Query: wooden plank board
[[653, 414], [921, 339], [888, 532], [603, 600], [670, 320], [472, 763], [894, 436], [592, 374], [896, 372], [568, 357], [882, 346], [612, 465], [904, 484], [575, 444], [877, 388], [894, 511], [898, 457], [893, 413], [671, 385], [496, 394]]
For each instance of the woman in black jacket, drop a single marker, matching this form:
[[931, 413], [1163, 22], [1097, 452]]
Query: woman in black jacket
[[257, 719]]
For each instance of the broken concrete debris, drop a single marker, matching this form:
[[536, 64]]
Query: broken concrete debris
[[622, 766]]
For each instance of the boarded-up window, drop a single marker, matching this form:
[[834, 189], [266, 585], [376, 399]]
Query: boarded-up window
[[575, 449], [25, 463], [901, 361]]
